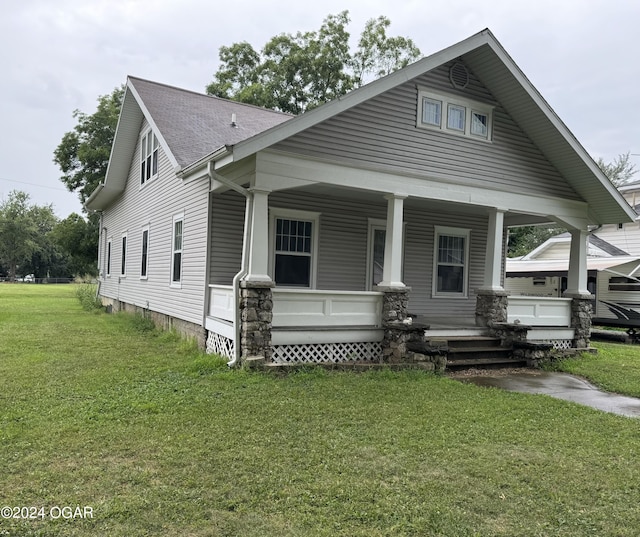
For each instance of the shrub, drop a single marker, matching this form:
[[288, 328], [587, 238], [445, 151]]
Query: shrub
[[88, 297]]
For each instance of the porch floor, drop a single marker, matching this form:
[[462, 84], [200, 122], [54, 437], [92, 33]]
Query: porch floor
[[447, 322]]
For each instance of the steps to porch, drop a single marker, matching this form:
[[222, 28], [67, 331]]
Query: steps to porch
[[475, 351]]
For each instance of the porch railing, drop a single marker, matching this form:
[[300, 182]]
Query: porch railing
[[332, 309], [221, 302], [539, 311]]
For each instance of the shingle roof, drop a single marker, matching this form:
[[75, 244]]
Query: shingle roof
[[599, 243], [194, 124]]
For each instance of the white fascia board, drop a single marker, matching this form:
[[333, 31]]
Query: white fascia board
[[544, 246], [273, 165], [360, 95], [559, 125], [149, 118]]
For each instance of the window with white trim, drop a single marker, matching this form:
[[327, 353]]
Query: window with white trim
[[108, 268], [454, 114], [148, 157], [451, 262], [123, 256], [294, 236], [144, 258], [176, 250]]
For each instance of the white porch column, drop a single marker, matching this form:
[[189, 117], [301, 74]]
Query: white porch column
[[577, 276], [494, 252], [392, 271], [259, 237]]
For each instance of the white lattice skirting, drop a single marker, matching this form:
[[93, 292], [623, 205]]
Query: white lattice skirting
[[558, 344], [323, 353], [218, 344]]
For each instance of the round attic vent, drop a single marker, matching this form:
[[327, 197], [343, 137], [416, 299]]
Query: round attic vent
[[459, 75]]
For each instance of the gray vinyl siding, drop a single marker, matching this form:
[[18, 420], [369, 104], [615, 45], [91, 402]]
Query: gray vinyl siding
[[155, 205], [342, 248], [382, 134], [227, 233]]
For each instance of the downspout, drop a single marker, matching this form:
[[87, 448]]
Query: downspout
[[244, 265]]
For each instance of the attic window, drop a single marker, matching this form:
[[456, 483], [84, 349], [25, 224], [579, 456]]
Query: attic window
[[148, 158], [455, 115], [459, 75]]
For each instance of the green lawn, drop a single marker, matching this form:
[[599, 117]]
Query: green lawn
[[158, 439], [616, 368]]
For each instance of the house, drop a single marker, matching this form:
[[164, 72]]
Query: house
[[322, 237], [613, 267]]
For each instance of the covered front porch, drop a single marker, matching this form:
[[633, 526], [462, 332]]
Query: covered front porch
[[354, 269]]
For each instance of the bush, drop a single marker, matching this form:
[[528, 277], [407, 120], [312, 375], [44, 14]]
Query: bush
[[88, 297]]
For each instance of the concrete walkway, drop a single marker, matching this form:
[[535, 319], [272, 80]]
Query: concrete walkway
[[561, 386]]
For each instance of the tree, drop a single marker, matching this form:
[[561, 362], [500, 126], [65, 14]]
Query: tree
[[24, 235], [294, 73], [78, 238], [620, 171], [83, 153]]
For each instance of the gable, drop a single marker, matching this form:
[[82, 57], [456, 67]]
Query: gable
[[385, 133]]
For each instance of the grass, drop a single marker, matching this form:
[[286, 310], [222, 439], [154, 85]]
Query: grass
[[97, 410], [615, 368]]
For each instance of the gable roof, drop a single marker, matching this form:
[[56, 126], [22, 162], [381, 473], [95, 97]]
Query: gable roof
[[189, 127], [193, 125], [594, 241], [493, 66], [481, 52]]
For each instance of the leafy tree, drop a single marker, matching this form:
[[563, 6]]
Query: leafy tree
[[83, 153], [524, 239], [294, 73], [620, 171], [24, 230], [78, 238], [47, 260]]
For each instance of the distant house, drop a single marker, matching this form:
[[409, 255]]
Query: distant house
[[319, 237], [613, 266]]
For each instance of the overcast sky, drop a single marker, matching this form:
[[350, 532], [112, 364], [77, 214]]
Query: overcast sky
[[60, 55]]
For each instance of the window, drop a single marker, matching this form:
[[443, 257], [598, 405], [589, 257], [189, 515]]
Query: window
[[622, 283], [294, 245], [176, 257], [431, 112], [479, 124], [148, 157], [463, 116], [123, 259], [108, 270], [456, 117], [451, 261], [145, 252]]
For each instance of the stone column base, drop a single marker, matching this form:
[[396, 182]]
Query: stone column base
[[491, 306], [581, 311], [256, 315], [395, 320]]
